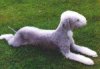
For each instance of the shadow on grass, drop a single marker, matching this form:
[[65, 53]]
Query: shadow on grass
[[33, 57], [29, 51]]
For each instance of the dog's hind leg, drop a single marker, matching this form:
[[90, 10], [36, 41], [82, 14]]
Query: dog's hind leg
[[13, 40], [16, 41], [7, 37]]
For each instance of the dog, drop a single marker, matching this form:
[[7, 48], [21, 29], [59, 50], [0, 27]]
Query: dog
[[62, 37]]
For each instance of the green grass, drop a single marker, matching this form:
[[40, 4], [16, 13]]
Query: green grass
[[46, 14]]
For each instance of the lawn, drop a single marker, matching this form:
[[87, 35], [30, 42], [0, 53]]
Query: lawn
[[46, 14]]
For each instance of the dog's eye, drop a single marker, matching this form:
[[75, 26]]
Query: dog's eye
[[78, 20]]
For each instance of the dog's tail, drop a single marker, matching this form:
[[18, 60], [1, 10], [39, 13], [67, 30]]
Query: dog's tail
[[12, 29]]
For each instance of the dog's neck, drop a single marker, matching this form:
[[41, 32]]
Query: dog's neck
[[64, 31], [62, 27]]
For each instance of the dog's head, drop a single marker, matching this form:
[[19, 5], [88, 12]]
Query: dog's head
[[73, 19]]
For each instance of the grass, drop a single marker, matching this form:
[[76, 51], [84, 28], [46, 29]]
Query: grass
[[45, 14]]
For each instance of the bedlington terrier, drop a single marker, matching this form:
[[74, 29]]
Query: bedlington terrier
[[62, 37]]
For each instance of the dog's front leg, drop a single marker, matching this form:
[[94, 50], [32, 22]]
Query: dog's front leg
[[65, 50], [84, 50]]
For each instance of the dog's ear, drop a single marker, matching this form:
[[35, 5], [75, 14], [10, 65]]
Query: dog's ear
[[66, 23]]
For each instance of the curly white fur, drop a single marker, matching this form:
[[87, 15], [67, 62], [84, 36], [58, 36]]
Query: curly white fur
[[62, 37]]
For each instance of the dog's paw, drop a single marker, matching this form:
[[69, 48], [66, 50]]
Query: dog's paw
[[88, 52], [93, 54], [88, 61], [1, 37], [6, 36], [80, 58]]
